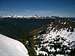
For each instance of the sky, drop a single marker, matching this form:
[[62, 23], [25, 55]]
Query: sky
[[37, 7]]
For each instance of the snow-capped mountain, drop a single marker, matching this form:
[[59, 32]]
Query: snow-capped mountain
[[11, 47], [56, 40]]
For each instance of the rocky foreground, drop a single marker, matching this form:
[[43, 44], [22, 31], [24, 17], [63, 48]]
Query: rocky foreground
[[58, 39]]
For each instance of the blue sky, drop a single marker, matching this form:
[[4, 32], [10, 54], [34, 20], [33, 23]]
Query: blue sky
[[39, 7]]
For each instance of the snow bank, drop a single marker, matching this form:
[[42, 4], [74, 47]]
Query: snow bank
[[11, 47]]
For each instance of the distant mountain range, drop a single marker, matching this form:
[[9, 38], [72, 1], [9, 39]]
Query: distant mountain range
[[37, 17]]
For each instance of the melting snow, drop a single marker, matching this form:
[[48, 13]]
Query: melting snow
[[50, 35]]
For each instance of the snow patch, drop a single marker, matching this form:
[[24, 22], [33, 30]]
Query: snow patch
[[52, 35]]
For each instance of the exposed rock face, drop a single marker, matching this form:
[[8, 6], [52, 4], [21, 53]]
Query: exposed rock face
[[56, 41], [11, 47]]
